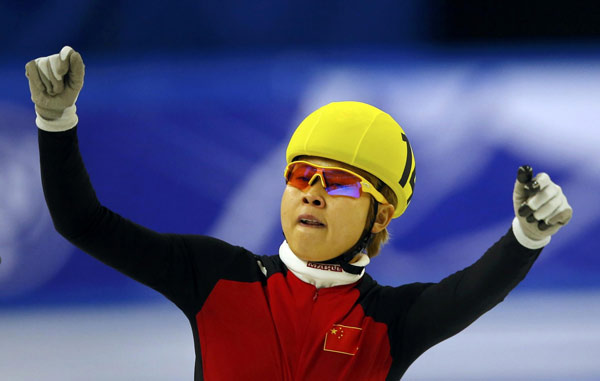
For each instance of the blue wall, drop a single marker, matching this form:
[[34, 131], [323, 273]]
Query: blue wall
[[136, 26]]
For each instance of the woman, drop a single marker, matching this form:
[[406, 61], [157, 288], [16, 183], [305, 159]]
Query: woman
[[311, 312]]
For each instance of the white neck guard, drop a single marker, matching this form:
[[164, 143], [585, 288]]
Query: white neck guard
[[320, 274]]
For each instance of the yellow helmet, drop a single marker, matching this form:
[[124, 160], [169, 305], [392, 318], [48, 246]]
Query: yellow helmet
[[363, 136]]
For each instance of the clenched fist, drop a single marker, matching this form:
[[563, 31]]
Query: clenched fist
[[541, 208], [55, 82]]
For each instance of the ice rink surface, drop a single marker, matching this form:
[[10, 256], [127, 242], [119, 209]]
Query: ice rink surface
[[530, 336]]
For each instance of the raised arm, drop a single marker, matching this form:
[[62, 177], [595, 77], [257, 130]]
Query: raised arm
[[169, 263], [445, 308]]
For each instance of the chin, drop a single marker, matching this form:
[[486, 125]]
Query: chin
[[308, 253], [310, 256]]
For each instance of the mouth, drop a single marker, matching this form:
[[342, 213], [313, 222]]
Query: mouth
[[310, 221]]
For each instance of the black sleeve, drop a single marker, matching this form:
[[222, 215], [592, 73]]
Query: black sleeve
[[182, 267], [443, 309]]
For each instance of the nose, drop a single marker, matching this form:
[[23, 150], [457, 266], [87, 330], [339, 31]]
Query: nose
[[313, 196], [314, 200]]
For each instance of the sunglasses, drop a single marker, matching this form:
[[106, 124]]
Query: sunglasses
[[336, 181]]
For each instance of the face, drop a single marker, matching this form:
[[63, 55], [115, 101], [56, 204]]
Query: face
[[317, 226]]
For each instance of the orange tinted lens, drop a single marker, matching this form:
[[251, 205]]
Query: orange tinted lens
[[300, 174]]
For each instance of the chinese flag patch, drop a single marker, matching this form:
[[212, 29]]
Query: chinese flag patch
[[342, 339]]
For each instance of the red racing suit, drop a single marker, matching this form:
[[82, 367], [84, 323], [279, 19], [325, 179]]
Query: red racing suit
[[252, 318]]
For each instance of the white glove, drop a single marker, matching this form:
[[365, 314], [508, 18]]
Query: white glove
[[55, 82], [541, 209]]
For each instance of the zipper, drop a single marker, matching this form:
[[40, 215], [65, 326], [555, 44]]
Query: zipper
[[316, 295]]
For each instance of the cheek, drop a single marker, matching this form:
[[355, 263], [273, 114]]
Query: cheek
[[286, 206], [351, 216]]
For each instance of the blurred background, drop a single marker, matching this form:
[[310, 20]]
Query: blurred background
[[184, 117]]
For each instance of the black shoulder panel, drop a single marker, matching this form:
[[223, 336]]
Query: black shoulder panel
[[272, 264], [386, 304], [389, 305]]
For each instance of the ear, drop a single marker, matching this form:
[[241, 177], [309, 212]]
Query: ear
[[385, 212]]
